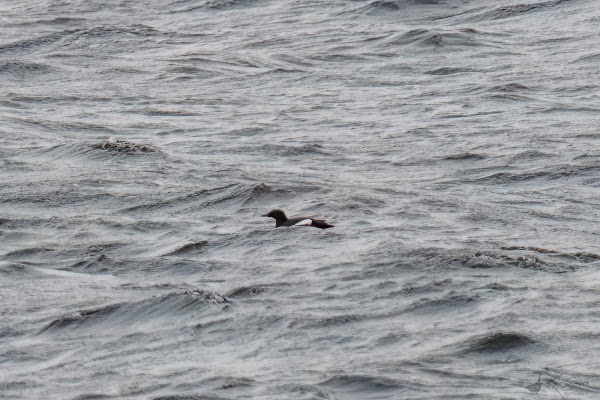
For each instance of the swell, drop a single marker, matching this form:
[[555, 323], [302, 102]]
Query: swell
[[81, 39], [77, 151], [366, 386], [438, 37], [527, 258], [378, 7], [230, 194], [497, 342], [31, 44], [193, 246], [217, 5], [515, 10], [122, 146], [130, 315], [552, 172], [434, 259], [25, 69]]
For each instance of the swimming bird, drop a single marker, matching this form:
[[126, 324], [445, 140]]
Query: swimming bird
[[282, 220]]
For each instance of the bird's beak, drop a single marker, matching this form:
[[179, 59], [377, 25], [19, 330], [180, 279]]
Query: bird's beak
[[265, 215]]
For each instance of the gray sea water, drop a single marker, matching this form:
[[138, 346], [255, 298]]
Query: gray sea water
[[455, 146]]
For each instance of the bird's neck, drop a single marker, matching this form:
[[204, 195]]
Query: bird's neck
[[280, 221]]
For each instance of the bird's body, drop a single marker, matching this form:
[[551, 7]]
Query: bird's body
[[282, 220]]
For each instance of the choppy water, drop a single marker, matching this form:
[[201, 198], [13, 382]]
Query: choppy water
[[454, 144]]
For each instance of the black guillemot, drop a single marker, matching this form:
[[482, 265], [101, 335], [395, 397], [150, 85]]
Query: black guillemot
[[282, 220]]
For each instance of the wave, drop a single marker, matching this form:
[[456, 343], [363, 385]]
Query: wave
[[187, 6], [245, 291], [386, 6], [325, 322], [193, 246], [284, 150], [509, 88], [228, 4], [97, 265], [203, 197], [465, 157], [445, 304], [382, 5], [25, 69], [186, 397], [430, 37], [415, 36], [528, 258], [26, 252], [497, 342], [552, 172], [10, 268], [448, 71], [435, 286], [363, 386], [129, 315], [585, 257], [31, 44], [305, 391], [518, 10], [234, 193], [122, 146], [115, 39]]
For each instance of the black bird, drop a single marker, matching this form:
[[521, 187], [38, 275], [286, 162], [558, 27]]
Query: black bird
[[282, 220]]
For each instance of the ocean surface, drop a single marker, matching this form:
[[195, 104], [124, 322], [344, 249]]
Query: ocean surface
[[455, 146]]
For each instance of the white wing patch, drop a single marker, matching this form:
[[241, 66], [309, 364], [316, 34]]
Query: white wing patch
[[304, 222]]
